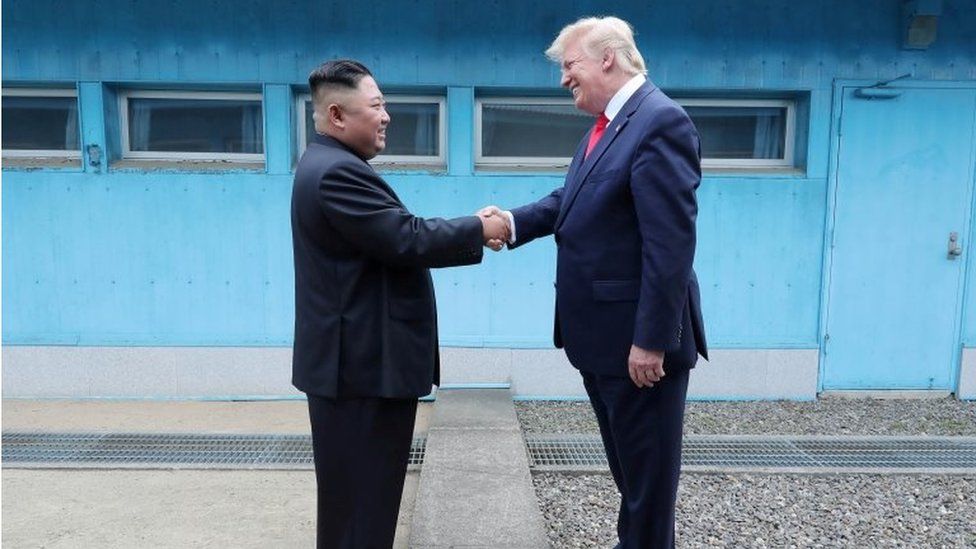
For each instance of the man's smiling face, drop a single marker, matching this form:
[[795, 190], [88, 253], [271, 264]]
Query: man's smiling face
[[583, 76], [366, 119]]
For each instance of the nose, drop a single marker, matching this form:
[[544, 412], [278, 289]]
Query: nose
[[564, 80], [385, 117]]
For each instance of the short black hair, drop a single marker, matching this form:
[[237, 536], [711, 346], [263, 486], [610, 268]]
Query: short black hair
[[340, 73]]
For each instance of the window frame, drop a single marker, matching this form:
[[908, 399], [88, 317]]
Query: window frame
[[544, 162], [73, 154], [786, 162], [439, 160], [129, 154], [789, 133]]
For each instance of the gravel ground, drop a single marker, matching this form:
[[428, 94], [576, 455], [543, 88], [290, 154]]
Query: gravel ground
[[944, 417], [749, 510]]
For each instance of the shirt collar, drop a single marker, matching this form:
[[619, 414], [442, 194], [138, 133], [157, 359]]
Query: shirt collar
[[623, 94]]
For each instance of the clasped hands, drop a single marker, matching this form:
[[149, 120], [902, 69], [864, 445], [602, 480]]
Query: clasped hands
[[495, 228]]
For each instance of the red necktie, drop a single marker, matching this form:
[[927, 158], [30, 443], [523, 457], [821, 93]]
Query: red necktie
[[598, 128]]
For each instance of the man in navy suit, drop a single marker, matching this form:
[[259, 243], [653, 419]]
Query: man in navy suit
[[365, 317], [627, 300]]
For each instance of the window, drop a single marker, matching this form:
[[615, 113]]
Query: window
[[176, 125], [744, 133], [540, 132], [415, 134], [40, 123]]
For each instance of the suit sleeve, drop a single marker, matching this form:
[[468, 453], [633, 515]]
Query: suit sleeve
[[537, 219], [664, 175], [355, 202]]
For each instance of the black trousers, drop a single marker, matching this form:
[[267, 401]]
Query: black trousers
[[361, 447], [641, 431]]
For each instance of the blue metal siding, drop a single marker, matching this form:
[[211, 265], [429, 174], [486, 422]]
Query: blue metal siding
[[204, 259], [160, 259], [759, 260], [177, 258], [195, 259], [279, 133], [716, 44]]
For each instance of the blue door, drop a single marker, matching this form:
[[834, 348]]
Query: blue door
[[903, 178]]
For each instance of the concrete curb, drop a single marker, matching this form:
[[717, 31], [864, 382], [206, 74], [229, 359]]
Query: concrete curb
[[475, 486]]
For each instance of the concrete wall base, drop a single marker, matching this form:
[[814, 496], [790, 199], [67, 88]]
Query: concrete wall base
[[967, 375], [146, 372], [265, 372], [731, 374]]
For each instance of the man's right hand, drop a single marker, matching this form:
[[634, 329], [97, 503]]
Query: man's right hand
[[495, 229], [646, 366]]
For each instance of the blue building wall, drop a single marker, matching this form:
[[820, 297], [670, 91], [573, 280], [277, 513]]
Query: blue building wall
[[105, 256]]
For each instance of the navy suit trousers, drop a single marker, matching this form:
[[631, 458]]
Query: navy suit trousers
[[641, 430]]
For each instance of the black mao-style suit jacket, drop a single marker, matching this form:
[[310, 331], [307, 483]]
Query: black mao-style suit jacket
[[365, 317]]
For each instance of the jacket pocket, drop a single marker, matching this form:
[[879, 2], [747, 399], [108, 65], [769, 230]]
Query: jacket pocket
[[410, 309], [616, 290]]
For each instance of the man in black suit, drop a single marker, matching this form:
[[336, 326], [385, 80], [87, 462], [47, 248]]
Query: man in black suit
[[627, 300], [365, 319]]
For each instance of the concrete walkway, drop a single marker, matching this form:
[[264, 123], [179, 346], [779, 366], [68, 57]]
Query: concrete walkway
[[105, 508], [474, 489], [475, 486]]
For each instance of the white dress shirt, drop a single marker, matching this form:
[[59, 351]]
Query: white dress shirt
[[620, 98]]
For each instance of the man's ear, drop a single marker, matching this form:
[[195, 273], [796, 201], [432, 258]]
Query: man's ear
[[334, 115], [609, 56]]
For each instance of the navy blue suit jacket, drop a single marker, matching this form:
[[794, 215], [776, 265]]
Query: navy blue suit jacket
[[624, 224]]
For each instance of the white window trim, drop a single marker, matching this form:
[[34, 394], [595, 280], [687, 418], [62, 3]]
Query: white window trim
[[129, 154], [481, 160], [739, 163], [74, 154], [382, 159]]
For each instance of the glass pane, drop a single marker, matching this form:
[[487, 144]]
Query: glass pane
[[196, 125], [528, 130], [741, 132], [40, 123], [414, 129]]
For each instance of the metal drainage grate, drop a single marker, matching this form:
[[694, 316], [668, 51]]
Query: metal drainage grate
[[159, 450], [585, 452], [566, 452]]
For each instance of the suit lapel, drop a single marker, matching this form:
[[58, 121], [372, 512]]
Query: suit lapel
[[575, 178], [577, 161]]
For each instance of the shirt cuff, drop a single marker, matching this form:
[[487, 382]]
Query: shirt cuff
[[511, 225]]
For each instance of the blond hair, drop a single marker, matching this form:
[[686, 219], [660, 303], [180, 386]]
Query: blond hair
[[599, 34]]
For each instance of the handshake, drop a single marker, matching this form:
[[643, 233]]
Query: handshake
[[495, 227]]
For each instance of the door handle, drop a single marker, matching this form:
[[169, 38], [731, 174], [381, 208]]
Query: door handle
[[955, 250]]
